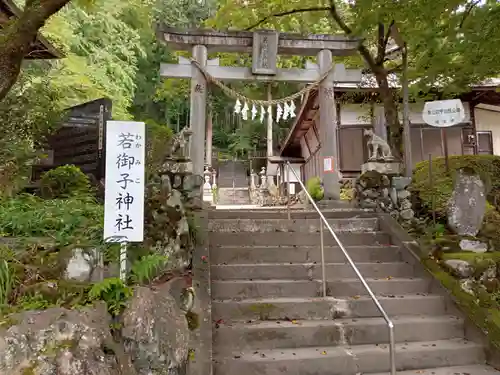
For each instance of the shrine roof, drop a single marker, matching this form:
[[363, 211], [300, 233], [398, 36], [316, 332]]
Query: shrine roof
[[41, 48], [242, 41], [485, 92]]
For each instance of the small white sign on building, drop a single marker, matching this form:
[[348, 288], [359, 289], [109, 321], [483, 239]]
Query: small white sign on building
[[443, 113], [124, 189]]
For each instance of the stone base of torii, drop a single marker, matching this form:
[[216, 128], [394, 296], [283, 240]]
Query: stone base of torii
[[265, 46]]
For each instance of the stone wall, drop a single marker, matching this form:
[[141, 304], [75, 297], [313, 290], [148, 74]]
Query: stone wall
[[386, 193]]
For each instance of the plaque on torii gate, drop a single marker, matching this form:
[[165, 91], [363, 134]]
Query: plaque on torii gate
[[265, 46]]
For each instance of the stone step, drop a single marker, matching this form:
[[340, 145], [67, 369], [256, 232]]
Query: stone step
[[230, 201], [455, 370], [328, 308], [307, 333], [303, 254], [294, 225], [309, 271], [227, 289], [295, 213], [351, 360], [297, 239]]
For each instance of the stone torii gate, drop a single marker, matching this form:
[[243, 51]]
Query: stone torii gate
[[265, 46]]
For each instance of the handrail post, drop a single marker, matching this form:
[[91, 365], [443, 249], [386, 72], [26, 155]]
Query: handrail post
[[392, 347], [322, 244], [288, 190]]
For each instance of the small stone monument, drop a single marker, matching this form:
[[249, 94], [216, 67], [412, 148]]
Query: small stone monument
[[466, 209]]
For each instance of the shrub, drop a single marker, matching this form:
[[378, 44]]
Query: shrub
[[30, 216], [64, 182], [314, 188], [486, 166]]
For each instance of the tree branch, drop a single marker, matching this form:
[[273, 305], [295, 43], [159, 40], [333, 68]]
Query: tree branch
[[365, 53], [18, 37], [287, 13], [468, 12], [386, 40]]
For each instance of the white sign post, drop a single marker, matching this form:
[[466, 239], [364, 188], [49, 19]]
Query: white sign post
[[124, 185], [443, 114]]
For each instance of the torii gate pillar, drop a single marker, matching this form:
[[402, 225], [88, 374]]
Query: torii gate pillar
[[198, 107], [328, 130]]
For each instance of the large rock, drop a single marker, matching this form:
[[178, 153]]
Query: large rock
[[58, 341], [84, 265], [155, 331], [460, 268], [467, 205]]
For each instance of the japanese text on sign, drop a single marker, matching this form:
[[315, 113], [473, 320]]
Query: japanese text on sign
[[124, 183], [443, 113]]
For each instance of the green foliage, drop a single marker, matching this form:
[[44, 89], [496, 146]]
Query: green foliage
[[147, 268], [61, 219], [112, 291], [16, 158], [314, 188], [6, 282], [158, 137], [64, 182], [449, 41], [486, 166]]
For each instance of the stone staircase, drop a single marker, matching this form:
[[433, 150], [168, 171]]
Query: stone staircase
[[236, 196], [269, 318], [233, 183]]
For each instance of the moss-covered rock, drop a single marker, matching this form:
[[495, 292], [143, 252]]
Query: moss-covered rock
[[485, 166]]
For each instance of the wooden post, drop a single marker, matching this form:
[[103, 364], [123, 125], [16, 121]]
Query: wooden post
[[208, 157], [269, 125], [198, 110], [328, 129], [444, 140]]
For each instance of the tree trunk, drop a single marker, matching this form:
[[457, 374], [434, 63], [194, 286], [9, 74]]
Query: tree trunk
[[376, 65], [18, 37], [394, 130]]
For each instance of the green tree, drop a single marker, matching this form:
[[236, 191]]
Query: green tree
[[17, 35], [449, 41]]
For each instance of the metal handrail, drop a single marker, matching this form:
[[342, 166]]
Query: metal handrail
[[323, 221]]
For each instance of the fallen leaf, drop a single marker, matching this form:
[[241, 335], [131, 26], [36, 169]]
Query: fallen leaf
[[389, 278], [356, 297], [294, 322], [323, 352]]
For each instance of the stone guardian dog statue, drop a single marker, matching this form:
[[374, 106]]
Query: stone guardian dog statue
[[379, 148]]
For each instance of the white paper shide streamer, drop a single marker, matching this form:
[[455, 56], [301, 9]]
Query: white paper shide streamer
[[254, 112], [286, 111], [279, 112], [292, 109], [270, 112], [262, 114], [237, 106], [244, 112]]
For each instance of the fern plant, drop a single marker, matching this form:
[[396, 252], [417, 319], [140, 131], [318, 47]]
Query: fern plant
[[6, 282], [147, 268], [112, 291]]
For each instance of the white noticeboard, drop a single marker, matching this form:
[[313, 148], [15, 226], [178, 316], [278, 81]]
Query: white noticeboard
[[124, 183], [443, 113]]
